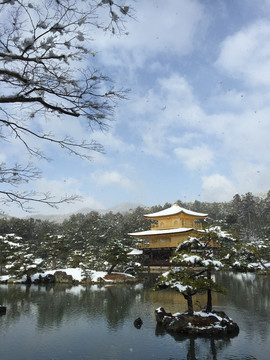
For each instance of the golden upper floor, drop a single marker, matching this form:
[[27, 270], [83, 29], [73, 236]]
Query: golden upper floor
[[176, 217]]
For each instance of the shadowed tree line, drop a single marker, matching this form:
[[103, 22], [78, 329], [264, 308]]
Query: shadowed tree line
[[92, 239]]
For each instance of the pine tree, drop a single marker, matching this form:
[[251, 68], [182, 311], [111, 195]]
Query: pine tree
[[195, 259], [21, 262], [55, 251], [6, 249], [115, 254]]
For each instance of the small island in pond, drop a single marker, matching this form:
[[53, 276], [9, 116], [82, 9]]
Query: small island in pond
[[216, 323], [194, 260]]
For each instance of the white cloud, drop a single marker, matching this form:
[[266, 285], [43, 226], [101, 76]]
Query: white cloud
[[242, 135], [165, 112], [61, 188], [217, 187], [108, 178], [251, 175], [170, 121], [246, 54], [183, 108], [112, 142], [2, 157], [198, 157], [160, 27], [58, 189]]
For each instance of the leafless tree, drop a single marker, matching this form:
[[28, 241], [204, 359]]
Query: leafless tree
[[44, 45]]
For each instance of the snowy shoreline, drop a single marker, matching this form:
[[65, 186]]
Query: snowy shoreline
[[73, 276]]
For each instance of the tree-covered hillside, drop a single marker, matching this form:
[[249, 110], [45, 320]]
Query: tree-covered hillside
[[85, 239]]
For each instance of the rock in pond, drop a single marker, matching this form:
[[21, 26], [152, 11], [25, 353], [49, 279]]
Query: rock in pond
[[3, 310], [62, 277], [216, 323], [138, 323]]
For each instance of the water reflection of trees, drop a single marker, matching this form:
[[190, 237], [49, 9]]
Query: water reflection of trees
[[250, 295], [18, 301], [248, 298], [254, 290], [247, 301], [198, 347], [113, 302], [52, 304]]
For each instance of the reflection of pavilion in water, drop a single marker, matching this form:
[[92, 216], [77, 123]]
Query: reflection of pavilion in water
[[169, 228], [172, 301], [197, 348]]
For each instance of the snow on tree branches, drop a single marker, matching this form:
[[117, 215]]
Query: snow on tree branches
[[47, 75]]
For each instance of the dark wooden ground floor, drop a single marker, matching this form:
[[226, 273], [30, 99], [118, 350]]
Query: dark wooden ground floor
[[157, 256], [161, 256]]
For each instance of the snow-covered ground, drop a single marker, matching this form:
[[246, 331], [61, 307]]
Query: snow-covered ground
[[76, 273]]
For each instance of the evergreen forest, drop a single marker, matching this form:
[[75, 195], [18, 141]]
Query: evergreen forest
[[94, 240]]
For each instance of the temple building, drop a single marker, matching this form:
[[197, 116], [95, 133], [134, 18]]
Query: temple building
[[169, 228]]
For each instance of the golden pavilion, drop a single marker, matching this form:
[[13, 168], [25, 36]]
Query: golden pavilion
[[169, 228]]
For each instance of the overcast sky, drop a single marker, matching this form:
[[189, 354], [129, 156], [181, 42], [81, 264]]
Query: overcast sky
[[197, 121]]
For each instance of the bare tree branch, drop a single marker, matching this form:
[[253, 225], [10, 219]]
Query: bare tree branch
[[43, 46], [23, 199]]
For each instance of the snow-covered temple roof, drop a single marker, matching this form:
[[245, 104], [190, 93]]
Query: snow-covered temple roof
[[173, 210], [160, 232], [135, 252]]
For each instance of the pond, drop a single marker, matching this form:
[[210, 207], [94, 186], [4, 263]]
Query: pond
[[81, 323]]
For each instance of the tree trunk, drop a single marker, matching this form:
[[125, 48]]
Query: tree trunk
[[213, 349], [111, 268], [191, 355], [189, 303], [209, 295], [209, 301]]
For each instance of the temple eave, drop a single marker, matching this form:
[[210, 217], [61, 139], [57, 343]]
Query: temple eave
[[169, 232]]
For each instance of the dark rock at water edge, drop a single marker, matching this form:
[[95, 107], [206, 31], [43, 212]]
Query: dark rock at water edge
[[138, 323], [48, 279], [3, 310], [216, 323], [61, 277]]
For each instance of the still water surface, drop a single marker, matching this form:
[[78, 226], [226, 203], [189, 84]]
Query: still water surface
[[79, 323]]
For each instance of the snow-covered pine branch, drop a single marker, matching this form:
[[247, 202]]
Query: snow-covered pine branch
[[48, 74]]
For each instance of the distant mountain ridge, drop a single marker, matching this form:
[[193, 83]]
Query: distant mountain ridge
[[121, 208]]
